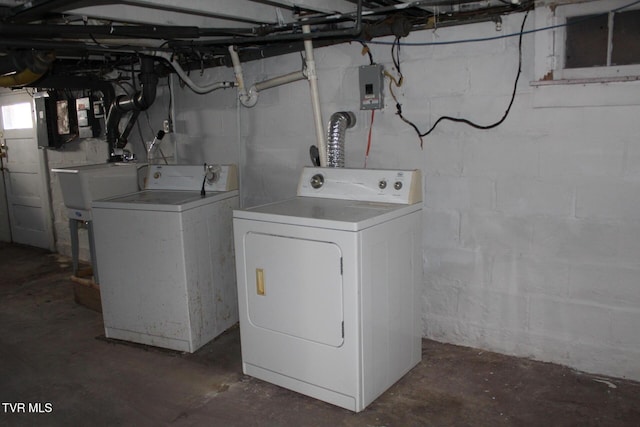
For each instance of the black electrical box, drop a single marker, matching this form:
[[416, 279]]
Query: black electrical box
[[57, 120], [46, 122]]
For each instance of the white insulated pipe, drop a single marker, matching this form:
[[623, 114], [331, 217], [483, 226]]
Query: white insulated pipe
[[249, 98], [279, 81], [315, 97], [178, 69], [246, 97]]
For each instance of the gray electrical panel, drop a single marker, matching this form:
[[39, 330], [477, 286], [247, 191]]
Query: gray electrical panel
[[371, 85]]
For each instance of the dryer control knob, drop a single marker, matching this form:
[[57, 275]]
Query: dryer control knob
[[398, 185], [382, 184], [317, 181]]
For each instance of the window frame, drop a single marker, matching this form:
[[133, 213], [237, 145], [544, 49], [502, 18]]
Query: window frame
[[601, 73]]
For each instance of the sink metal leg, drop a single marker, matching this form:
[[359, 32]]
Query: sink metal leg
[[92, 248], [73, 228]]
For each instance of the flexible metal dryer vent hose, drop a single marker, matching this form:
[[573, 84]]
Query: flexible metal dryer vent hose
[[338, 124]]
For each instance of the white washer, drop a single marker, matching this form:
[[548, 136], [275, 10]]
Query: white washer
[[166, 259], [328, 284]]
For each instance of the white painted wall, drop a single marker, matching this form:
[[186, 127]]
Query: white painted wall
[[531, 230]]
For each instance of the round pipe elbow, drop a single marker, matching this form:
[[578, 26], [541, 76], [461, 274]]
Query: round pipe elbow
[[249, 98]]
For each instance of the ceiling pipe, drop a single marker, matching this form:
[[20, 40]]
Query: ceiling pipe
[[243, 94], [278, 81], [183, 75], [249, 98], [78, 48], [75, 31], [353, 32]]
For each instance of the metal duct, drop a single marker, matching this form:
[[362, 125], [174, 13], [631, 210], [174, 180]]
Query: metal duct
[[338, 124], [24, 68], [137, 102]]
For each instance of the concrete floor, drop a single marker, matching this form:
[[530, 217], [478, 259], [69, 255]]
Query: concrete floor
[[53, 352]]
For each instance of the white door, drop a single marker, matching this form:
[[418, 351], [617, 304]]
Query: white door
[[24, 173], [298, 287]]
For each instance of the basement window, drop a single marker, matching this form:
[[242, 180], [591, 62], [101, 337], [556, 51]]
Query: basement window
[[17, 116], [600, 40]]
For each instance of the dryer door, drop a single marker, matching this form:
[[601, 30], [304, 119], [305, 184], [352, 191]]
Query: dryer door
[[295, 287]]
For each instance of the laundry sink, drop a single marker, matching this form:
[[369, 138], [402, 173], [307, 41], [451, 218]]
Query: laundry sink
[[82, 184]]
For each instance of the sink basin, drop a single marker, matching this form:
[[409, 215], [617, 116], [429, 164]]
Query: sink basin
[[82, 184]]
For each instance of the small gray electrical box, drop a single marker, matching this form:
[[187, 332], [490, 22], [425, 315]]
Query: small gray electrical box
[[371, 85]]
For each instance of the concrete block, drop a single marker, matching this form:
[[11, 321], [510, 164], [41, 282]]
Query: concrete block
[[612, 94], [577, 241], [339, 56], [525, 196], [267, 177], [268, 123], [629, 244], [278, 65], [580, 150], [605, 284], [441, 228], [505, 341], [396, 136], [408, 52], [336, 85], [444, 329], [626, 324], [457, 267], [606, 360], [492, 74], [501, 157], [496, 233], [426, 78], [519, 274], [608, 199], [632, 160], [442, 157], [542, 347], [463, 193], [493, 310], [465, 32], [570, 321], [440, 301]]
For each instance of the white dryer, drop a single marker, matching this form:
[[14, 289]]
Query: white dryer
[[166, 259], [329, 284]]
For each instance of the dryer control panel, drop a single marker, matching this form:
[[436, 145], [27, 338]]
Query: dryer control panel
[[370, 185]]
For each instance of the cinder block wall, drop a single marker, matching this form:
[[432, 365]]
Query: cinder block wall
[[531, 230]]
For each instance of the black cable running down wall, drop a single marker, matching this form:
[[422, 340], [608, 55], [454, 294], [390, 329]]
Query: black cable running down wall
[[462, 120]]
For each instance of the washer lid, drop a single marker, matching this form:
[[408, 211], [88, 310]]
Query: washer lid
[[350, 215], [162, 200]]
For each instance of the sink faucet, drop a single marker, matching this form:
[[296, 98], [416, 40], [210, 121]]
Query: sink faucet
[[154, 144]]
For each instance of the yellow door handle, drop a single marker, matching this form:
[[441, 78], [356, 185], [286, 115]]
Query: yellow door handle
[[260, 281]]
